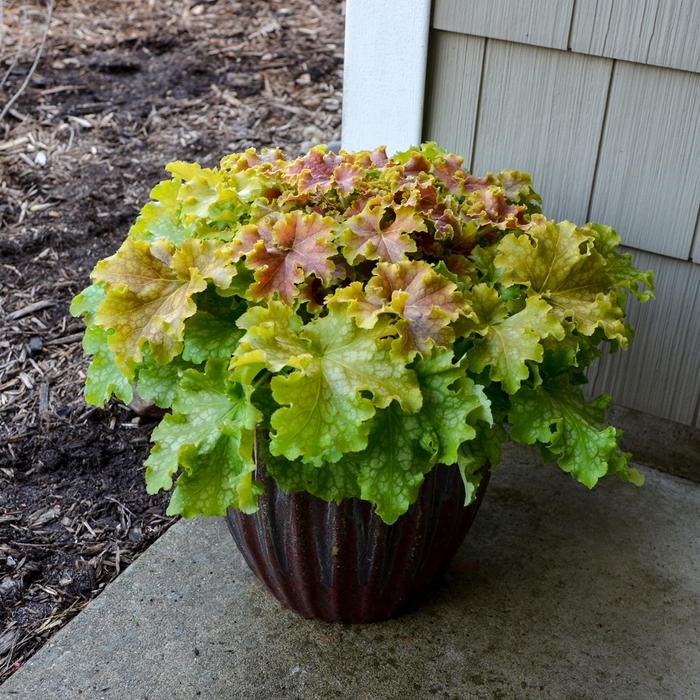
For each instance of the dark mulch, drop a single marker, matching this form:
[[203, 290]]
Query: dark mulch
[[121, 89]]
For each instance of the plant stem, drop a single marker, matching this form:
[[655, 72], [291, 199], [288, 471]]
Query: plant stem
[[262, 378]]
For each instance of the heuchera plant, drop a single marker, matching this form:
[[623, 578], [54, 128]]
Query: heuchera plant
[[351, 321]]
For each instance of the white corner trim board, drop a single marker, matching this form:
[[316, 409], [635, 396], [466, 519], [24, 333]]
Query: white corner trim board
[[386, 47]]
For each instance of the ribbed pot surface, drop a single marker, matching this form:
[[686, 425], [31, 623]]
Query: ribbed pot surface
[[340, 562]]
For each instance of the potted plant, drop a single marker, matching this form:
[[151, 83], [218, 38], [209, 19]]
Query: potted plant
[[342, 340]]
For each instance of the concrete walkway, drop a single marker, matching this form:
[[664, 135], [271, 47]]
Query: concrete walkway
[[558, 592]]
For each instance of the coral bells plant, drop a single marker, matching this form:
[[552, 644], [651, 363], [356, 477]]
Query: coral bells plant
[[352, 320]]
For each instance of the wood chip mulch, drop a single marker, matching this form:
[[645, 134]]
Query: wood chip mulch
[[120, 89]]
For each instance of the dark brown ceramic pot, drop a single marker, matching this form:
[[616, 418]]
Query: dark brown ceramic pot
[[340, 562]]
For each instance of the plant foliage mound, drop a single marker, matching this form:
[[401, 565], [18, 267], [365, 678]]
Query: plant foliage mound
[[352, 320]]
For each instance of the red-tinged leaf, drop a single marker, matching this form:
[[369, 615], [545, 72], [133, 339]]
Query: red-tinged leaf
[[312, 293], [314, 171], [416, 165], [368, 160], [427, 244], [474, 184], [426, 301], [367, 235], [270, 160], [296, 201], [459, 265], [379, 157], [300, 245], [445, 222], [345, 176], [244, 241], [422, 195], [448, 169], [425, 197], [357, 207], [515, 184], [489, 206]]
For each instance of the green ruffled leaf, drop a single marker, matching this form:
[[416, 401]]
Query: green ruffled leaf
[[619, 265], [555, 417], [208, 337], [325, 413], [87, 302], [103, 376], [331, 481], [391, 469], [212, 480], [548, 259], [474, 454], [449, 396], [158, 383], [212, 332], [212, 417], [509, 341]]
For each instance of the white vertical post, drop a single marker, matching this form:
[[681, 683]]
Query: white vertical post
[[386, 47]]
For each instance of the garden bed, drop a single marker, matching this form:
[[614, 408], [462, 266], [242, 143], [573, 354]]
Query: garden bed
[[120, 89]]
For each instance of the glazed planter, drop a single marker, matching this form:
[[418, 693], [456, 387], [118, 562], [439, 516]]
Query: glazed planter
[[341, 562]]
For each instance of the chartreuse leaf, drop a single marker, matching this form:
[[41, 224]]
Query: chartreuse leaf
[[148, 294], [509, 341], [560, 264], [487, 420], [159, 383], [213, 480], [198, 190], [103, 376], [209, 435], [402, 446], [161, 218], [619, 265], [556, 418], [272, 338], [325, 411]]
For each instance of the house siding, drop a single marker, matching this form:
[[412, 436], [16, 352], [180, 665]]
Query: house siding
[[609, 129]]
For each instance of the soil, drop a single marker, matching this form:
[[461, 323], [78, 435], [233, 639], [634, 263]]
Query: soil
[[120, 89]]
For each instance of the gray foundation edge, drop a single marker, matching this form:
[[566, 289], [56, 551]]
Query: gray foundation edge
[[657, 442]]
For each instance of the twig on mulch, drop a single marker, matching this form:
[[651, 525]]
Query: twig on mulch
[[39, 51], [20, 44]]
